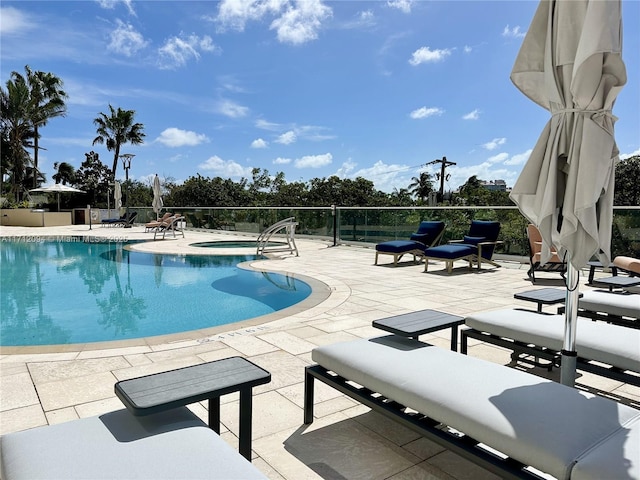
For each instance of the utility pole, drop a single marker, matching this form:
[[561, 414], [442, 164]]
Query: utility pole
[[444, 163]]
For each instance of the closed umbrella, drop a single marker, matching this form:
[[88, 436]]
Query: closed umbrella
[[117, 196], [57, 188], [157, 196], [570, 63]]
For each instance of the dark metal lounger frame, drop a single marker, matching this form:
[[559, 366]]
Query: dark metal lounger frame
[[629, 322], [435, 431], [551, 355]]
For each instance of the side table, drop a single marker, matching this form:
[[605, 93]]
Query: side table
[[419, 323], [167, 390], [618, 282], [543, 296]]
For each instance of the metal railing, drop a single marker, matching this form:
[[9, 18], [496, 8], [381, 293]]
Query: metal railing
[[371, 225]]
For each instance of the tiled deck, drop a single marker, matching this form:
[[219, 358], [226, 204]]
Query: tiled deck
[[347, 441]]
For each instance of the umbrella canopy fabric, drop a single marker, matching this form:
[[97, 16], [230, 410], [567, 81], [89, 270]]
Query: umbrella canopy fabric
[[57, 188], [570, 63], [117, 195], [157, 196]]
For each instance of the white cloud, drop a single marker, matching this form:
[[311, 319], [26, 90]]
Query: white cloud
[[234, 14], [467, 49], [495, 143], [425, 112], [225, 168], [314, 161], [264, 125], [287, 138], [426, 55], [13, 21], [499, 158], [125, 40], [473, 115], [259, 143], [177, 51], [174, 137], [346, 168], [282, 161], [402, 5], [385, 177], [624, 156], [295, 22], [232, 109], [519, 158], [111, 4], [513, 32], [300, 24], [363, 19]]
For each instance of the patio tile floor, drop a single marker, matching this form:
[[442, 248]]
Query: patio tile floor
[[347, 441]]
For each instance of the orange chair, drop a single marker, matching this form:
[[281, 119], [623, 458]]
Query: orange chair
[[555, 264]]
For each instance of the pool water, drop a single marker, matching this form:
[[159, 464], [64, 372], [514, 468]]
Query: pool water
[[76, 292]]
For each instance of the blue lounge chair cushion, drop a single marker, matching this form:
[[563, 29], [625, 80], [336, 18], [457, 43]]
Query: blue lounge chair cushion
[[473, 240], [399, 246], [428, 232], [451, 252]]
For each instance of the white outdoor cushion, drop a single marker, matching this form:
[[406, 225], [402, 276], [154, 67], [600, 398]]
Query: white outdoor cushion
[[171, 445], [615, 458], [536, 421], [612, 344], [622, 304]]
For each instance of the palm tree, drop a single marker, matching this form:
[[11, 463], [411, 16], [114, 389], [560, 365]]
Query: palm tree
[[65, 173], [46, 101], [117, 129], [421, 186], [17, 132]]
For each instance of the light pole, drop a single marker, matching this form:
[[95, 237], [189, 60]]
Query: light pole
[[126, 164]]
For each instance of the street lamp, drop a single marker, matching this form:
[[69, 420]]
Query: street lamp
[[126, 164]]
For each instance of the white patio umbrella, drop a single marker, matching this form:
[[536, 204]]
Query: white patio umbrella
[[571, 64], [157, 196], [57, 188], [117, 196]]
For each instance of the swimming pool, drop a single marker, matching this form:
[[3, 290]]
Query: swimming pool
[[65, 292]]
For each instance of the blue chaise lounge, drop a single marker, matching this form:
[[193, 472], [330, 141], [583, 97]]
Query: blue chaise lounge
[[428, 235], [478, 246]]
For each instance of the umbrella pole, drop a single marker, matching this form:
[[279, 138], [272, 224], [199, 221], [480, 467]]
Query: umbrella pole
[[569, 355]]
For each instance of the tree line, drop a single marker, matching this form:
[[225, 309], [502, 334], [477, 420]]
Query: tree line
[[31, 100]]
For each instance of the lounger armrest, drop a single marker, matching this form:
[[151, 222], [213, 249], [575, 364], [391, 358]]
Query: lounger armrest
[[456, 241]]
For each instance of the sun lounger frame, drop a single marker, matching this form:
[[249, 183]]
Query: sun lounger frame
[[546, 353], [614, 319], [435, 431]]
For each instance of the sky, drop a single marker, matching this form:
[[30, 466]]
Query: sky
[[310, 88]]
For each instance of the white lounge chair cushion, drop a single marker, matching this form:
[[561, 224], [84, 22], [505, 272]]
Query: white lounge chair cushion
[[536, 421], [611, 344], [173, 444], [622, 304], [610, 460]]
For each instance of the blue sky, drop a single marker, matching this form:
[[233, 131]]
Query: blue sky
[[310, 88]]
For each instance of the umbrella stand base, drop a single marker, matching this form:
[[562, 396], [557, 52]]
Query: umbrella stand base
[[568, 368]]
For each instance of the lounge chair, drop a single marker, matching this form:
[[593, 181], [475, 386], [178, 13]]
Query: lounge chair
[[540, 336], [172, 224], [554, 264], [428, 235], [476, 247], [120, 222], [628, 264], [618, 308], [477, 408], [156, 223], [171, 445]]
